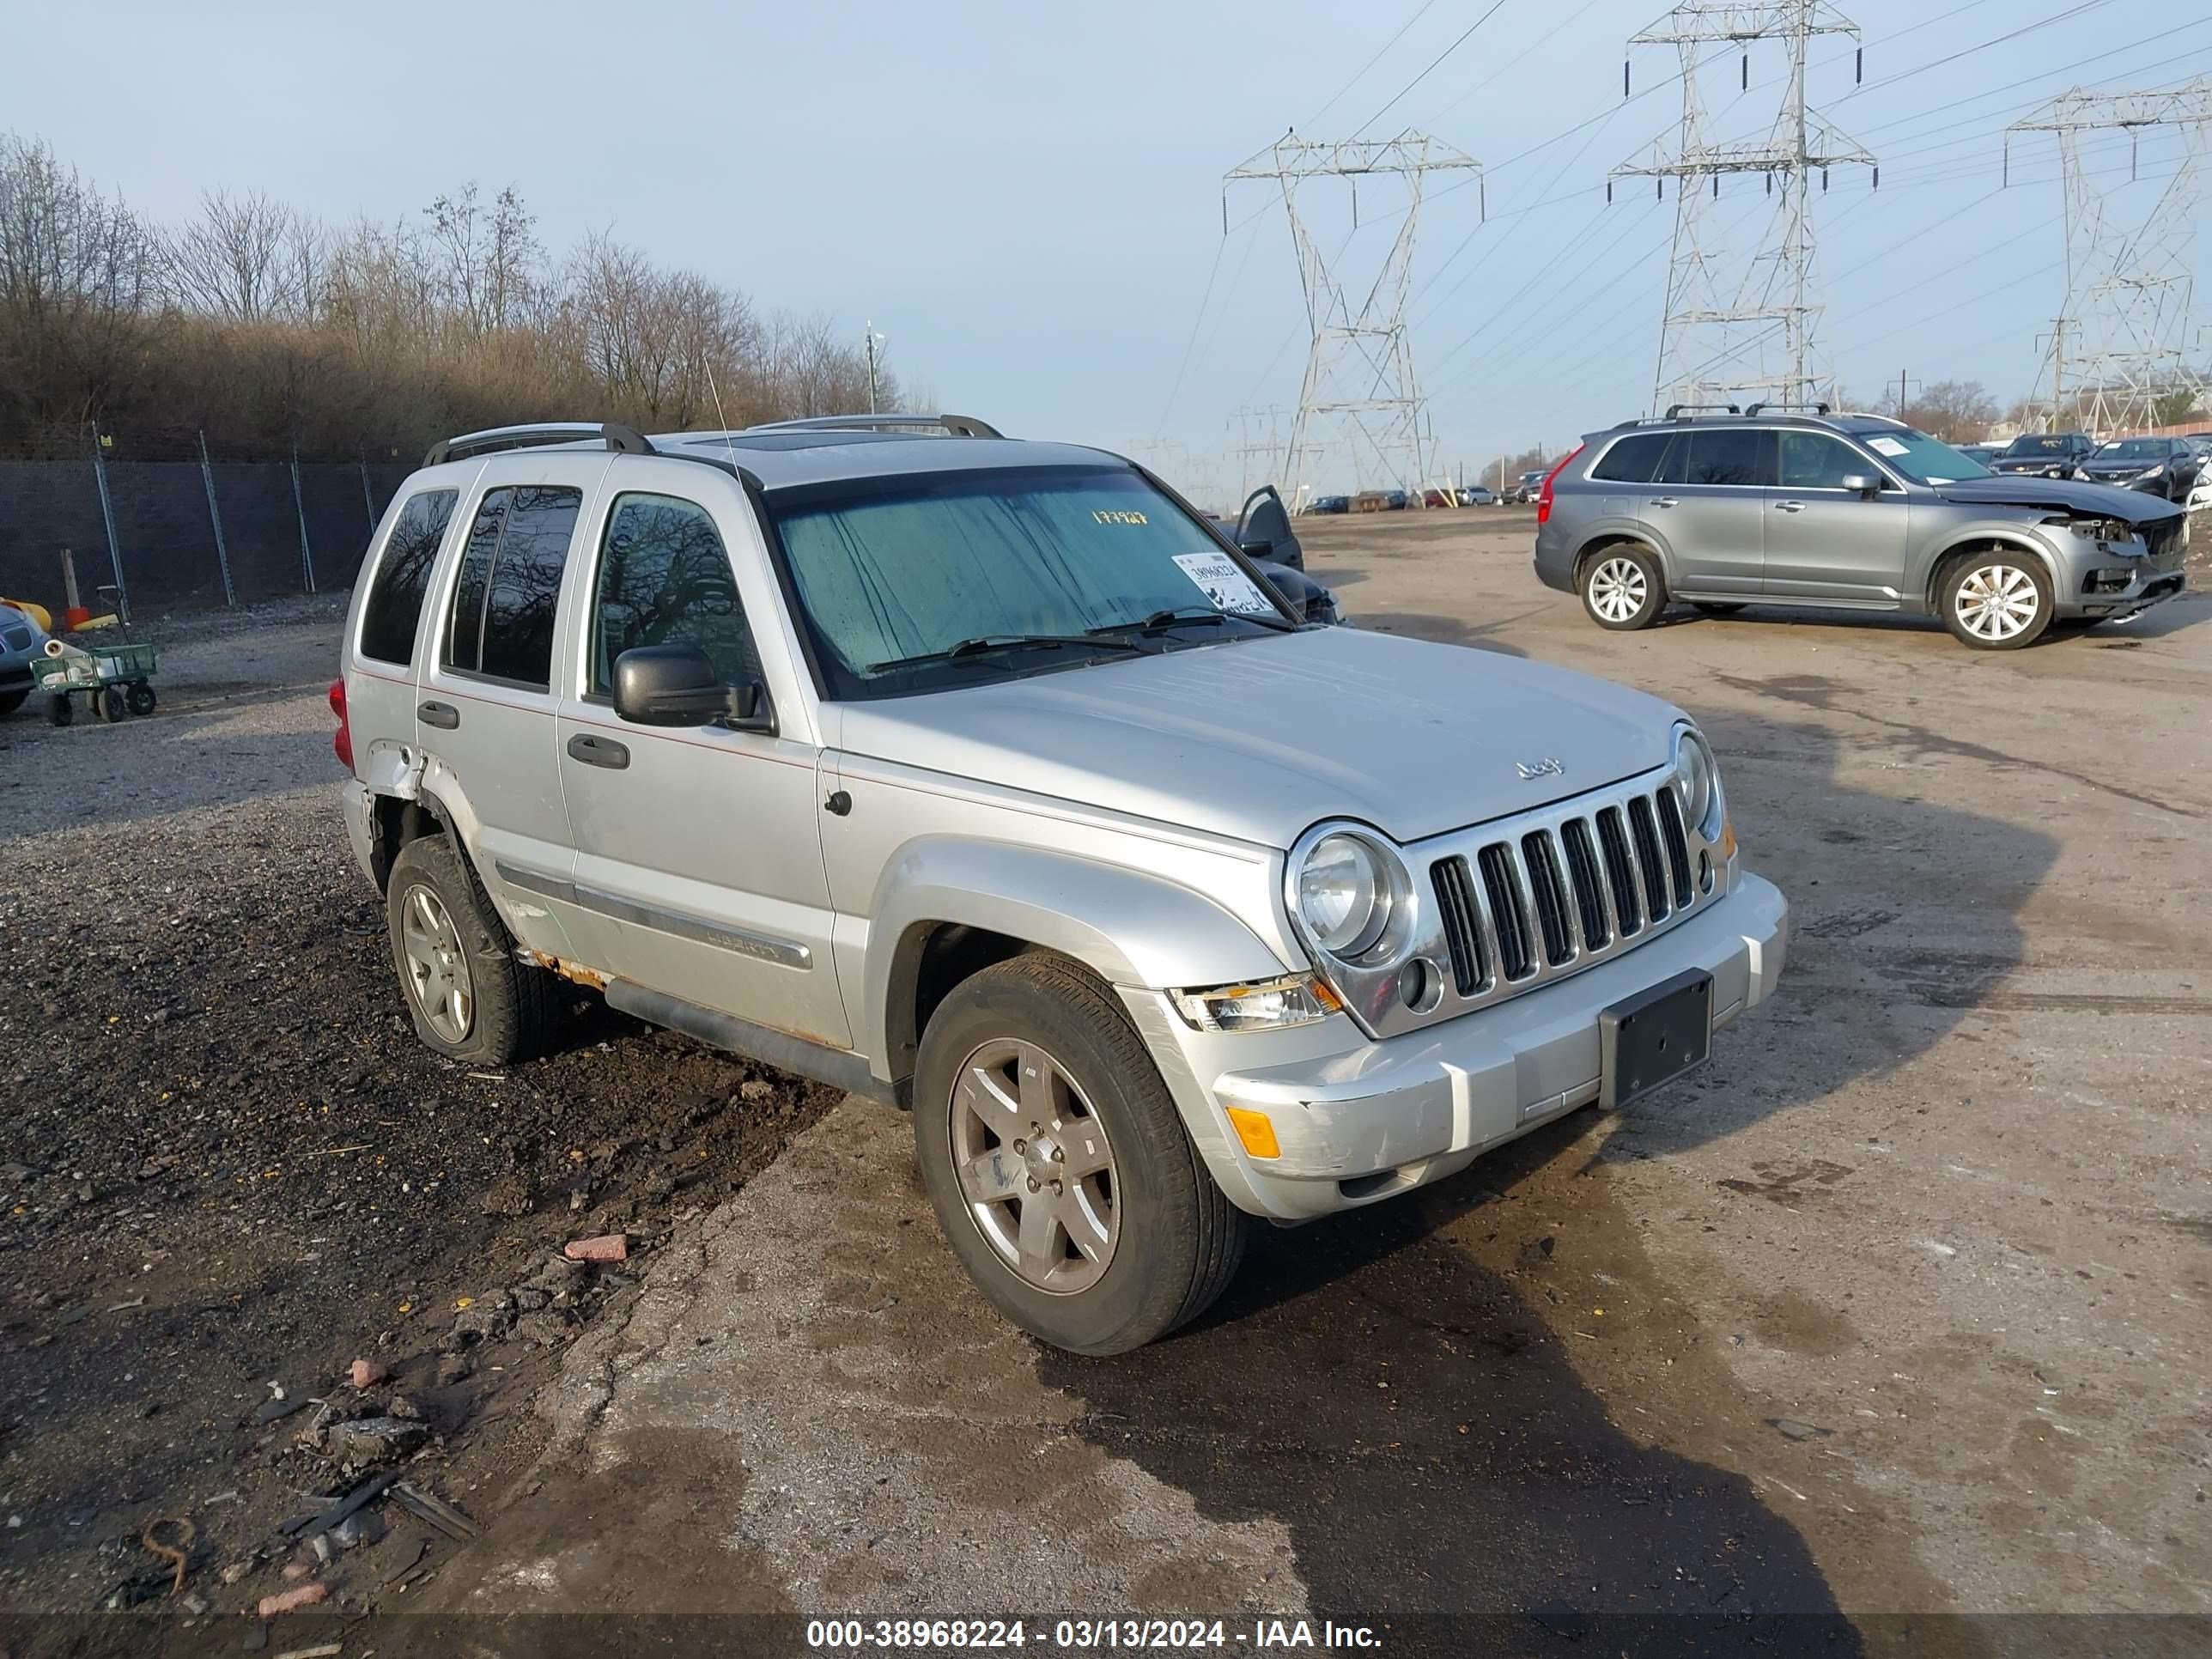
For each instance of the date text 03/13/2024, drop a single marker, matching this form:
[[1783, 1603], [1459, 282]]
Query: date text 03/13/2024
[[1079, 1635]]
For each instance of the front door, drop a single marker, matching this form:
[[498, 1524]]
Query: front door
[[698, 867], [1707, 507], [1825, 542]]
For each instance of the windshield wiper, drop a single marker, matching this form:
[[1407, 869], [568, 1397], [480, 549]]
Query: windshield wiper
[[1192, 616], [984, 644]]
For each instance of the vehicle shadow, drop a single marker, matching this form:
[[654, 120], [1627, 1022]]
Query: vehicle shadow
[[1405, 1397]]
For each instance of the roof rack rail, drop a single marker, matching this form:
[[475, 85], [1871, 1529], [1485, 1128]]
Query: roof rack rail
[[1779, 408], [1676, 412], [960, 426], [627, 440]]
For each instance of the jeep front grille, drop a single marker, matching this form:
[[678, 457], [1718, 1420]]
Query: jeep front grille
[[1526, 903]]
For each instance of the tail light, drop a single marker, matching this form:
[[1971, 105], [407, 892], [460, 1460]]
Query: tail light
[[1544, 496], [342, 740]]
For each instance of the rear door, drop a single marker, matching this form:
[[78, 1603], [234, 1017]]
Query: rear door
[[1825, 542], [699, 867], [1709, 506], [484, 715], [381, 694]]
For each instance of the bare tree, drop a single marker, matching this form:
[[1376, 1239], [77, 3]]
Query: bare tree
[[487, 256], [245, 259], [1957, 411], [79, 279]]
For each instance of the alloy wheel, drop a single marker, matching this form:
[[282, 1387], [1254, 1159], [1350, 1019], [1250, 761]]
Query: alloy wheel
[[1997, 602], [437, 966], [1617, 590], [1034, 1166]]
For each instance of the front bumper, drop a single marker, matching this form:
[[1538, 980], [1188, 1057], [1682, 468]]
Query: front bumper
[[2152, 578], [1358, 1121]]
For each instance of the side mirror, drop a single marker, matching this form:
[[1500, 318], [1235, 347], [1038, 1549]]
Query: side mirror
[[1306, 597], [1263, 529], [679, 685], [1864, 482]]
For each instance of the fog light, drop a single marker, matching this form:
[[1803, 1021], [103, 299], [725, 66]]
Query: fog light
[[1256, 1130], [1419, 986], [2107, 579], [1704, 872]]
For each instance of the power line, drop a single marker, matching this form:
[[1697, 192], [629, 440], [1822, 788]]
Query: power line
[[1315, 118], [1433, 64]]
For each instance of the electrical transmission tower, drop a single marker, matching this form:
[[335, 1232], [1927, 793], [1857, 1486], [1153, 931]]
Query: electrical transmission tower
[[1360, 386], [2129, 303], [1709, 344], [1266, 448]]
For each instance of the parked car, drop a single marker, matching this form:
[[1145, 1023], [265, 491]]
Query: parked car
[[1436, 495], [981, 778], [2158, 467], [1395, 501], [1329, 504], [2052, 454], [1526, 486], [21, 642], [1263, 531], [1854, 512], [1475, 495], [1984, 453]]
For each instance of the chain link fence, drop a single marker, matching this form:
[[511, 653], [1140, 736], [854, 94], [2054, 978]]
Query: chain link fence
[[188, 534]]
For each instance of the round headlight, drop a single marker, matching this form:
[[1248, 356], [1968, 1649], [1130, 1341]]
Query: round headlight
[[1695, 775], [1344, 894]]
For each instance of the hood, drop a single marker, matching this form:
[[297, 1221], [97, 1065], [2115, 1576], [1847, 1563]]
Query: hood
[[2075, 494], [1260, 738]]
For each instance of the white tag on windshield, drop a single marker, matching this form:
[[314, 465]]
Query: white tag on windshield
[[1221, 582], [1888, 447]]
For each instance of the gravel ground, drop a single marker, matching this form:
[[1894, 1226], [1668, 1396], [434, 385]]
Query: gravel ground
[[231, 1168]]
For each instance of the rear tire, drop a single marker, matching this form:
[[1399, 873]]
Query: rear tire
[[140, 698], [111, 704], [1038, 1036], [1622, 586], [1998, 600], [470, 997]]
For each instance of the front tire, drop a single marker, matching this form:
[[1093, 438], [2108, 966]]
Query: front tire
[[1998, 600], [1623, 587], [470, 997], [1058, 1164]]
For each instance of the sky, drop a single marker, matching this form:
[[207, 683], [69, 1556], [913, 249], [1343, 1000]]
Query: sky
[[1027, 199]]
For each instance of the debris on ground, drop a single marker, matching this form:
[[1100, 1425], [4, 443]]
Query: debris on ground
[[1794, 1430], [612, 1246], [291, 1600]]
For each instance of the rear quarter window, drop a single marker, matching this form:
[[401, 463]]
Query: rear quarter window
[[1632, 460], [394, 605]]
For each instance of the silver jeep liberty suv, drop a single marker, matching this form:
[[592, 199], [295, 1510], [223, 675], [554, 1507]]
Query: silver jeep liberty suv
[[990, 780]]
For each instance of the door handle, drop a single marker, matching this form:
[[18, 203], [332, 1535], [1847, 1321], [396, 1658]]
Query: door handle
[[442, 715], [1790, 506], [598, 751], [1665, 501]]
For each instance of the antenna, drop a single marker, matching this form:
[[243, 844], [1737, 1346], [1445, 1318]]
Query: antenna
[[729, 448]]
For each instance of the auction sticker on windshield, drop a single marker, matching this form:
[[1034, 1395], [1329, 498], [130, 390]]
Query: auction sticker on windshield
[[1221, 581], [1888, 447]]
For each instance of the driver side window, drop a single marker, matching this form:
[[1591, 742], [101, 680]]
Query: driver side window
[[1812, 461], [664, 578]]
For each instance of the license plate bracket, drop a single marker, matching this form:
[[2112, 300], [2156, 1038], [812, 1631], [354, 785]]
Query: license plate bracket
[[1654, 1037]]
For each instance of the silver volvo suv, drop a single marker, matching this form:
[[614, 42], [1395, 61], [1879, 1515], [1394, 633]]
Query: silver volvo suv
[[1846, 513], [990, 780]]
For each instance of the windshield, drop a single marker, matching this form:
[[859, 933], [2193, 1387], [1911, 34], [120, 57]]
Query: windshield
[[2036, 443], [893, 574], [2133, 449], [1921, 458]]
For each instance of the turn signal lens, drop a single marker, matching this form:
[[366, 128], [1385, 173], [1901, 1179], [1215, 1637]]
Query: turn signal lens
[[1256, 1130], [1268, 1005]]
